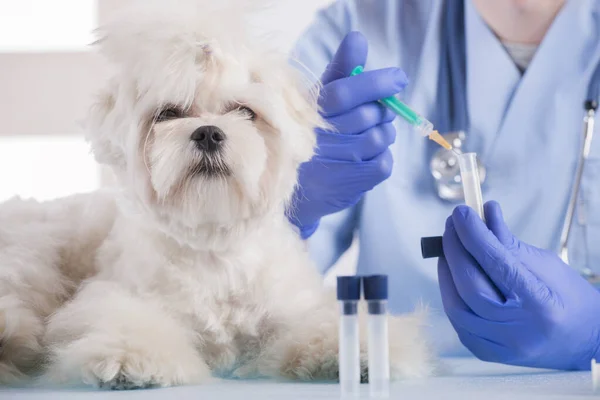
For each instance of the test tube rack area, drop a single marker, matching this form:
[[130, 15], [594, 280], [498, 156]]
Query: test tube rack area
[[374, 289]]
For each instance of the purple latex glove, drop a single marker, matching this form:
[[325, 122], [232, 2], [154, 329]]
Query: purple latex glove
[[513, 303], [355, 157]]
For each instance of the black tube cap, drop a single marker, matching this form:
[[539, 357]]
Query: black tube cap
[[590, 105], [348, 288], [375, 287], [432, 247]]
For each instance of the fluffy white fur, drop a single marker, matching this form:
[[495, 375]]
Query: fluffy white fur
[[189, 269]]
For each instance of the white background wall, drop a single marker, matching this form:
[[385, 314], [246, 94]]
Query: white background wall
[[47, 76]]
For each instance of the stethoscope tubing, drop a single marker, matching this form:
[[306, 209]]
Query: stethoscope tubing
[[588, 135]]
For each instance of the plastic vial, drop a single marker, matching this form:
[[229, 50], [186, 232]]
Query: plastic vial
[[469, 174], [348, 294], [595, 375], [376, 295]]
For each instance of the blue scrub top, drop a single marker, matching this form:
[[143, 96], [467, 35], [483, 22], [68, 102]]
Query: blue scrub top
[[527, 130]]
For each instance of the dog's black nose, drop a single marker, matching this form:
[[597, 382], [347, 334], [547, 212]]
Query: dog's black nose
[[208, 138]]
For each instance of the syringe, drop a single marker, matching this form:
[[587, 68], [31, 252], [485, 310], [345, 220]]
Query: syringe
[[421, 124]]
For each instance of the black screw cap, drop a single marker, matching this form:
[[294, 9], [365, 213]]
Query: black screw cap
[[432, 247]]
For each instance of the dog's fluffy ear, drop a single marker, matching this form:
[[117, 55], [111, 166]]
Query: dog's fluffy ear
[[302, 105], [103, 124]]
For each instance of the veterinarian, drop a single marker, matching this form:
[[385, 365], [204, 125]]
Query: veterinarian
[[510, 80]]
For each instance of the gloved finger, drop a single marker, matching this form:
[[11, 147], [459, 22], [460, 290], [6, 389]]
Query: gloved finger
[[371, 173], [498, 332], [484, 349], [472, 283], [463, 318], [363, 147], [351, 52], [345, 94], [451, 300], [498, 263], [361, 118], [495, 222], [357, 177]]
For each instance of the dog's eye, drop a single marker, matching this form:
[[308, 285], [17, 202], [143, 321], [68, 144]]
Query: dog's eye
[[247, 111], [167, 114]]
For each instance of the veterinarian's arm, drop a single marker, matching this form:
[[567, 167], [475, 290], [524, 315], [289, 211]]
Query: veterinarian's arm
[[311, 54], [511, 302], [353, 157]]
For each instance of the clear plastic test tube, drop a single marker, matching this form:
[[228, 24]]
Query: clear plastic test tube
[[348, 294], [376, 294], [595, 370], [469, 174]]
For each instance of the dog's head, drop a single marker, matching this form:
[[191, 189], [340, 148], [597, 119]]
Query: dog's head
[[201, 124]]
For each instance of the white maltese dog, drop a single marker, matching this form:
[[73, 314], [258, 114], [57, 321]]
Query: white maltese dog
[[189, 269]]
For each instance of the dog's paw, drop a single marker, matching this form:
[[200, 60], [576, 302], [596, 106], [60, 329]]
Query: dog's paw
[[122, 382], [317, 368], [123, 365], [20, 348], [133, 371], [410, 355], [317, 361]]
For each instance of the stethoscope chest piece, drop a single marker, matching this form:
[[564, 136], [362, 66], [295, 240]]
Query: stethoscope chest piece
[[446, 172]]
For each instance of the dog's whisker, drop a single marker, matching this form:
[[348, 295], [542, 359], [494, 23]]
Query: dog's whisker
[[145, 147]]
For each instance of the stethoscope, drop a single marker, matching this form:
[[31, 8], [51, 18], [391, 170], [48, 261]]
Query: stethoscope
[[453, 122]]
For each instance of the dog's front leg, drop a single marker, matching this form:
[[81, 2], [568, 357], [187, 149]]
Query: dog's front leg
[[308, 350], [108, 337]]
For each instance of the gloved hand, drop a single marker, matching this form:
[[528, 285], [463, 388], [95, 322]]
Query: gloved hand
[[355, 157], [513, 303]]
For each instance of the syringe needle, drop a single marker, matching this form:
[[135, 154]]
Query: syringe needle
[[439, 139]]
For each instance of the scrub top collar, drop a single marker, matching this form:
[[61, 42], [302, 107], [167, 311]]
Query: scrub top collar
[[502, 93]]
